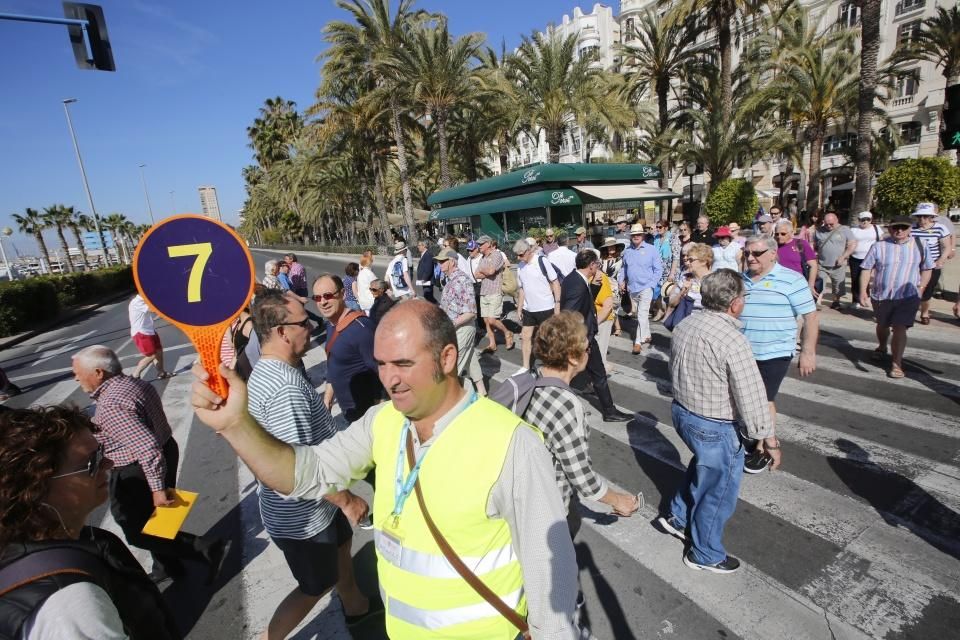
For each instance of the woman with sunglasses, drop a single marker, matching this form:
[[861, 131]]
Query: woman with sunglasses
[[72, 581], [698, 262]]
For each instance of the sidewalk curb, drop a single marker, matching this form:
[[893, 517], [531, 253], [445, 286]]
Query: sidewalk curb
[[63, 318]]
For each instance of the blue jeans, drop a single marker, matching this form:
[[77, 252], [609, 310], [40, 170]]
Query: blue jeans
[[709, 495]]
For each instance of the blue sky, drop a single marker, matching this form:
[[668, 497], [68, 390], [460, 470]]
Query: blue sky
[[190, 78]]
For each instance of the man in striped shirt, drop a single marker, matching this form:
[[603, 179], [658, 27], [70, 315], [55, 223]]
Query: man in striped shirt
[[777, 296], [900, 273], [314, 535]]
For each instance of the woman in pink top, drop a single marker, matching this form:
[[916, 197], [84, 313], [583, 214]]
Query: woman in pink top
[[796, 253]]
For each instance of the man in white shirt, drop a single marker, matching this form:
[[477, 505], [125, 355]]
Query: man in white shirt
[[398, 272], [538, 294], [563, 258], [866, 234], [145, 337]]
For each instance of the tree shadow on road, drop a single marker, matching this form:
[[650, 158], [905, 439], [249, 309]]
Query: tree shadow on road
[[898, 500]]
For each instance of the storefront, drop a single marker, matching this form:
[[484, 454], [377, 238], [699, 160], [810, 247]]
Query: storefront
[[563, 196]]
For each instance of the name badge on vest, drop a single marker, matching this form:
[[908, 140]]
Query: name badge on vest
[[391, 544]]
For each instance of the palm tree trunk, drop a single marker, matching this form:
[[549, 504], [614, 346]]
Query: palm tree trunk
[[83, 251], [66, 249], [404, 171], [503, 152], [553, 145], [379, 197], [869, 49], [43, 248], [441, 119], [724, 41], [103, 240], [814, 197]]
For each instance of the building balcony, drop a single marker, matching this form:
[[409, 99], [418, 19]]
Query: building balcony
[[902, 101], [911, 151], [908, 6]]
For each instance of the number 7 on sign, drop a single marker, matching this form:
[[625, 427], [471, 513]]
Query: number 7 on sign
[[203, 251]]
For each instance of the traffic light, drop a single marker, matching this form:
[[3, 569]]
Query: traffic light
[[101, 54], [950, 133]]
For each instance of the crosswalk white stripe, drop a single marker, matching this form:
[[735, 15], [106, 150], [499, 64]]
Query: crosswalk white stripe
[[56, 394], [867, 347], [129, 356]]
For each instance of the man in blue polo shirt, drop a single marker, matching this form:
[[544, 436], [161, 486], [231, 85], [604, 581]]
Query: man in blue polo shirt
[[641, 271], [351, 369], [776, 297]]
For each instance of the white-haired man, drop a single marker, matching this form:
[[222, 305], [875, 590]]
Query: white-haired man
[[538, 295]]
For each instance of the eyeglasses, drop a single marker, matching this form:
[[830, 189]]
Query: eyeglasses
[[305, 323], [91, 468], [782, 233], [756, 254], [895, 229], [325, 296]]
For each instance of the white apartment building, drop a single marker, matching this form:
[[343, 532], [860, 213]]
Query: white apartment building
[[209, 204], [914, 110]]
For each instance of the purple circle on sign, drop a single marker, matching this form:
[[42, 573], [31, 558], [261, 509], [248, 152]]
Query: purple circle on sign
[[167, 265]]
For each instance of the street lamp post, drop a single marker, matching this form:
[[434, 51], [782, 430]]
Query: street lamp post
[[7, 231], [83, 174], [145, 194], [691, 169]]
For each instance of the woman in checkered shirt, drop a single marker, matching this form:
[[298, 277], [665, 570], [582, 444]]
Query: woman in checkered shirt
[[561, 345]]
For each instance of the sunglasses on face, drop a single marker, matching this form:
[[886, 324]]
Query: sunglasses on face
[[325, 296], [895, 229], [305, 323], [91, 468], [756, 254], [783, 233]]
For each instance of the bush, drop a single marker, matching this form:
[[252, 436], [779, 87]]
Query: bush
[[25, 304], [902, 187], [733, 200]]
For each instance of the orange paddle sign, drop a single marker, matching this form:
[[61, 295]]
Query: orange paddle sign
[[197, 274]]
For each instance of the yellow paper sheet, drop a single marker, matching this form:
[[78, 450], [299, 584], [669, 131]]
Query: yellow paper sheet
[[166, 521]]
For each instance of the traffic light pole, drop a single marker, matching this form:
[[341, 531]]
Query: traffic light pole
[[87, 30]]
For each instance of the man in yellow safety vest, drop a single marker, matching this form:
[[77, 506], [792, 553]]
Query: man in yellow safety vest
[[486, 481]]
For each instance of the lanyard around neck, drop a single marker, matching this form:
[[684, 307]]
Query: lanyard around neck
[[403, 488]]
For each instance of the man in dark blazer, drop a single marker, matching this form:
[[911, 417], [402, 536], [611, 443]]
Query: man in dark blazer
[[575, 295]]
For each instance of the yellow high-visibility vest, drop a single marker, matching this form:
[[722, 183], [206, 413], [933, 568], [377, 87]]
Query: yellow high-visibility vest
[[425, 596]]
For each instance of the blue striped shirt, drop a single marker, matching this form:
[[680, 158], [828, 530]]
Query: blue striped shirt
[[931, 238], [896, 268], [769, 315], [284, 402]]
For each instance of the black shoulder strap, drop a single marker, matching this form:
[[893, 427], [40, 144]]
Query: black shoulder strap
[[922, 249], [49, 562]]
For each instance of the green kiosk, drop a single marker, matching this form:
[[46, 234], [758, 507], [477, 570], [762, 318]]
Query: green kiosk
[[563, 196]]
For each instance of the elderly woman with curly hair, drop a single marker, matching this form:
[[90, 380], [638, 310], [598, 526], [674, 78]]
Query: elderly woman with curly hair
[[561, 345], [58, 577]]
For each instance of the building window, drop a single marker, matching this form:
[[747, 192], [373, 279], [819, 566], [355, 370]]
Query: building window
[[905, 6], [576, 144], [849, 15], [835, 145], [909, 84], [908, 31], [631, 34], [910, 132], [593, 50]]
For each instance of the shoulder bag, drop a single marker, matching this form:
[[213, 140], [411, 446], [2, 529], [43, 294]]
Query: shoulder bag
[[818, 283]]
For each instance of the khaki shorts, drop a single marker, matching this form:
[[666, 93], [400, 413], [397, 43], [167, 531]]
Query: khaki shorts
[[491, 306]]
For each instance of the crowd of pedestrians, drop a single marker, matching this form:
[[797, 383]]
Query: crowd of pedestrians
[[476, 490]]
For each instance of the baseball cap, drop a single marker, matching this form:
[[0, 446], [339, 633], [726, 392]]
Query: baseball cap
[[865, 215], [765, 218], [723, 232], [483, 239], [900, 221], [471, 245], [580, 230], [446, 254]]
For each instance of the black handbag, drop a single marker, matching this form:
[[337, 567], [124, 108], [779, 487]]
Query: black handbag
[[818, 283]]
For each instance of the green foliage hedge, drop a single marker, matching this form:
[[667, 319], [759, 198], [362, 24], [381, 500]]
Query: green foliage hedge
[[26, 304], [910, 182], [733, 200]]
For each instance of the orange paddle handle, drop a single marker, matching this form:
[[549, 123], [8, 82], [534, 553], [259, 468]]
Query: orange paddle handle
[[207, 342]]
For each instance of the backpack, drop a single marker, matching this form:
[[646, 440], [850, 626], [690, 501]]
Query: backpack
[[543, 270], [397, 276], [516, 392]]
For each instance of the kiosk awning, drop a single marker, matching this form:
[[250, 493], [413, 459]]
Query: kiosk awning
[[625, 192], [533, 200]]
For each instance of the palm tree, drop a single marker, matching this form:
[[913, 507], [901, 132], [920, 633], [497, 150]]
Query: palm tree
[[369, 47], [557, 90], [938, 41], [501, 122], [664, 49], [274, 131], [437, 69], [78, 222], [98, 224], [117, 224], [57, 216], [33, 223], [866, 100]]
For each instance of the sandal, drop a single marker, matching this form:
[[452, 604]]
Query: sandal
[[895, 372], [165, 375], [924, 319]]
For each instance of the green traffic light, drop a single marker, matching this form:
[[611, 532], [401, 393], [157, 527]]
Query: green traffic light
[[956, 138]]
